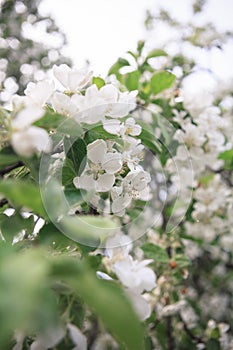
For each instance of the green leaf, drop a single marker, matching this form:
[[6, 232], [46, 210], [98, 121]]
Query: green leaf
[[140, 46], [161, 81], [106, 299], [215, 333], [96, 132], [99, 82], [146, 67], [73, 195], [227, 156], [7, 157], [213, 344], [155, 252], [86, 229], [54, 200], [26, 299], [132, 80], [134, 55], [68, 173], [76, 152], [161, 334], [148, 139], [165, 105], [204, 180], [121, 62], [156, 53], [167, 131], [49, 235], [182, 260], [51, 120], [70, 127], [12, 225], [22, 194]]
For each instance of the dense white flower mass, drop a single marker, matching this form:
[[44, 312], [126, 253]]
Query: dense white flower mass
[[198, 91], [112, 166], [92, 107], [202, 135]]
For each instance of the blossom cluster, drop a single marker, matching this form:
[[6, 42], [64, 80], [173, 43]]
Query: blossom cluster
[[133, 273], [93, 107], [113, 165], [203, 134]]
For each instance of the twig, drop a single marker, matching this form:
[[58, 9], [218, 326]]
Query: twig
[[10, 167], [3, 202], [93, 334], [170, 338], [189, 332], [225, 175]]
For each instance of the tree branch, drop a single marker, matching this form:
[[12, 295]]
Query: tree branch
[[3, 202], [189, 332], [10, 167], [170, 338]]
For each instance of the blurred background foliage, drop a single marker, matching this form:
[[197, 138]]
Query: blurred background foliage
[[24, 54]]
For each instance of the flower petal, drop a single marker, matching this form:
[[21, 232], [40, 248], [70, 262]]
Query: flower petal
[[40, 92], [133, 128], [112, 163], [62, 104], [61, 73], [96, 151], [27, 116], [30, 141], [105, 182], [77, 337], [120, 204], [49, 339], [109, 93], [140, 305], [112, 126], [85, 182]]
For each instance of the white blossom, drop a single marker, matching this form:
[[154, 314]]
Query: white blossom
[[102, 165], [198, 91], [63, 104], [129, 127], [133, 186], [39, 93], [117, 247], [140, 305], [133, 153], [31, 140], [79, 340], [191, 135], [135, 274], [73, 80], [107, 101], [27, 116], [49, 339]]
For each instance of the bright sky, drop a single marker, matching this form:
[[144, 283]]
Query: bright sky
[[103, 30]]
